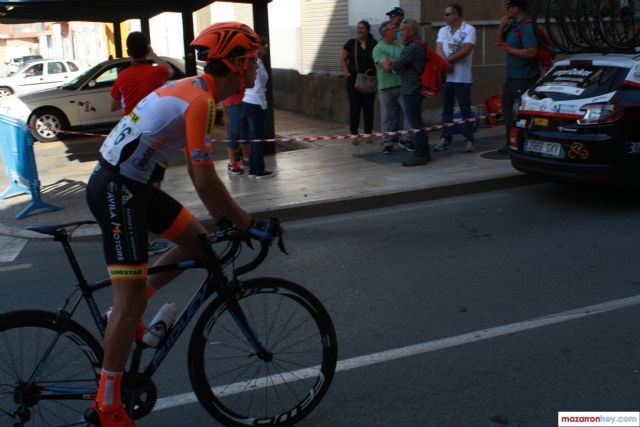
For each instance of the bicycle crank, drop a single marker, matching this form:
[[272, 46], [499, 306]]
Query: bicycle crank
[[139, 394]]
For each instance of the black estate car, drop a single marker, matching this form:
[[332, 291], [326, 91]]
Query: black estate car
[[581, 121]]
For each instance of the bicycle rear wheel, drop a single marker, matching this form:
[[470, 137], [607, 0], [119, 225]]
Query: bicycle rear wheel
[[46, 389], [236, 386]]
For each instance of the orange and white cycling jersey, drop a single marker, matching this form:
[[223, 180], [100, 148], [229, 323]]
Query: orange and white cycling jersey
[[179, 115]]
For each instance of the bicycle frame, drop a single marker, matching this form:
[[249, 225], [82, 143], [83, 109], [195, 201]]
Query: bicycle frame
[[215, 282]]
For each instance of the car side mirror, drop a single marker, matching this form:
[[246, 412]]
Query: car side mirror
[[92, 83]]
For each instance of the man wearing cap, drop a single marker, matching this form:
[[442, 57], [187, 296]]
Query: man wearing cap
[[396, 15], [518, 41]]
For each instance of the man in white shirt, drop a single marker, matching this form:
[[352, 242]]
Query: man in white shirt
[[254, 109], [455, 43]]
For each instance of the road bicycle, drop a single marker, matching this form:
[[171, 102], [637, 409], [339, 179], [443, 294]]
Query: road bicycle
[[263, 351]]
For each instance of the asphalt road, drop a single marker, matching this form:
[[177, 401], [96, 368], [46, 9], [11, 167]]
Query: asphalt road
[[466, 311]]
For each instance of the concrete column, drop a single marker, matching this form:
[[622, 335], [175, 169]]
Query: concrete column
[[261, 25], [144, 27], [188, 36], [117, 39]]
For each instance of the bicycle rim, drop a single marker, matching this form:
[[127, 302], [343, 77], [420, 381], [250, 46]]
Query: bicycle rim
[[66, 381], [237, 387]]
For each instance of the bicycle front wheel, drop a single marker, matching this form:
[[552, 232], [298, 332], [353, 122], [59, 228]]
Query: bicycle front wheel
[[49, 371], [239, 388]]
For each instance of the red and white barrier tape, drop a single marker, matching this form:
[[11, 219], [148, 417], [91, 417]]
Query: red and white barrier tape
[[331, 137]]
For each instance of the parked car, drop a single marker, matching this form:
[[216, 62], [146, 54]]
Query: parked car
[[579, 122], [83, 103], [14, 64], [39, 75]]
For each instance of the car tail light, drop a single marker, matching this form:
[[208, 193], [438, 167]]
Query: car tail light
[[514, 140], [595, 114]]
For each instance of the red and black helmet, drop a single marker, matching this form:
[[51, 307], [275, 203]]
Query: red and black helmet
[[218, 40]]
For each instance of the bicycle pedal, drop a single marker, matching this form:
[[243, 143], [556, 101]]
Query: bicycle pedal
[[91, 416]]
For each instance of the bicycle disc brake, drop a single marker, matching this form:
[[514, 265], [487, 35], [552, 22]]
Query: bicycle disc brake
[[139, 394]]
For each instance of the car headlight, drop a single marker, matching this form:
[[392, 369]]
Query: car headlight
[[13, 106]]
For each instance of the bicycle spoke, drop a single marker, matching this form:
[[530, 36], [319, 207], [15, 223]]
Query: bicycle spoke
[[244, 369], [249, 350], [238, 337], [247, 384], [300, 341]]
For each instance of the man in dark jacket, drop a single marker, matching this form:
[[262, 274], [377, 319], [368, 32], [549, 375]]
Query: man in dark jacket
[[409, 66]]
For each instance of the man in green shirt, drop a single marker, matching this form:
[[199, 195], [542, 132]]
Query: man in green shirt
[[388, 83]]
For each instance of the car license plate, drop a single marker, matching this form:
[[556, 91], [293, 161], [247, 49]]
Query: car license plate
[[537, 121], [545, 148]]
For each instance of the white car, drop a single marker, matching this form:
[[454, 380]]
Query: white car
[[14, 64], [37, 75], [83, 103]]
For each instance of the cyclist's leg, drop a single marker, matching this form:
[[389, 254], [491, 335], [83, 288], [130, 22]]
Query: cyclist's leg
[[120, 207], [187, 247], [175, 223]]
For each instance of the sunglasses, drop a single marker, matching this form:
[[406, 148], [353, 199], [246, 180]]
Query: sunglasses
[[448, 14]]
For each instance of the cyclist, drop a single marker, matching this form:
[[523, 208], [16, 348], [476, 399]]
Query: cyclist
[[178, 115]]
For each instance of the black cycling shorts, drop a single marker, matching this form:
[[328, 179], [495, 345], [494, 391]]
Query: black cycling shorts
[[126, 210]]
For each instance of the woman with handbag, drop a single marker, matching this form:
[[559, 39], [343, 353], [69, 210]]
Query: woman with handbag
[[358, 67]]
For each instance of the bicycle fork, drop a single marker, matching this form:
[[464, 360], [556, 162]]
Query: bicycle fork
[[238, 316]]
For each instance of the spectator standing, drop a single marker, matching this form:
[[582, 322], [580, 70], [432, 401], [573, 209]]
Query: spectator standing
[[455, 43], [236, 131], [410, 65], [388, 83], [141, 77], [522, 66], [357, 58], [134, 83], [396, 15], [254, 109]]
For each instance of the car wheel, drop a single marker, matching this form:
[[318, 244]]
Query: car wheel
[[5, 91], [45, 125]]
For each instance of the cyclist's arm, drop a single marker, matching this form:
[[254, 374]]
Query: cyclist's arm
[[198, 151], [216, 197]]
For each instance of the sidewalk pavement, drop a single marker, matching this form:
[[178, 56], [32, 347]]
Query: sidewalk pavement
[[313, 178]]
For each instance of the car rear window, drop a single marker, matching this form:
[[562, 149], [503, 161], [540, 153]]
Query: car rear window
[[72, 66], [569, 82]]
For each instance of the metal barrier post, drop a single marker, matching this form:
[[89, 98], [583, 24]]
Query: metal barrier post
[[16, 145]]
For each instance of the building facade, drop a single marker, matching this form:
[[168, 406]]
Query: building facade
[[306, 39]]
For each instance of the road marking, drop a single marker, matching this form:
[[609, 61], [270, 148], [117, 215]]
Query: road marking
[[10, 248], [426, 347], [15, 267]]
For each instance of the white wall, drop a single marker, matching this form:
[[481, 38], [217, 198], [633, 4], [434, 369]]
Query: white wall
[[284, 27], [166, 34], [372, 11], [88, 43]]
